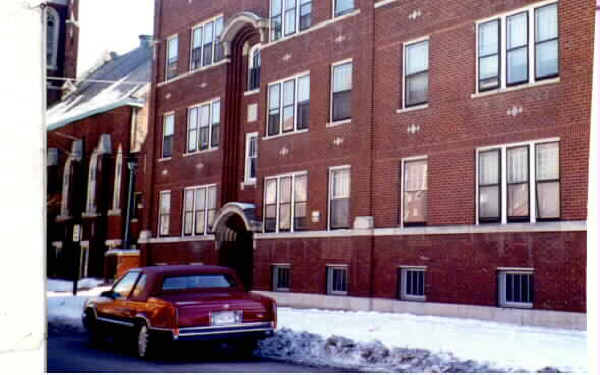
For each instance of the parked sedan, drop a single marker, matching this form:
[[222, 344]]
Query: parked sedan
[[162, 304]]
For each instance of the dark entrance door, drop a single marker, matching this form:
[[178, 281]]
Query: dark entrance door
[[237, 253]]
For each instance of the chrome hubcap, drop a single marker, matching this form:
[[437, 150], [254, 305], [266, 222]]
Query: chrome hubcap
[[142, 341]]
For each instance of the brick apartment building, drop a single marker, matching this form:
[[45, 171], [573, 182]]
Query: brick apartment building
[[93, 134], [394, 155], [62, 41]]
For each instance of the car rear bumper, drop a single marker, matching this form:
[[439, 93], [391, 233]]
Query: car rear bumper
[[258, 330]]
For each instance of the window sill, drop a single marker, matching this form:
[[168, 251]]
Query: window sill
[[249, 183], [189, 73], [383, 2], [314, 27], [251, 92], [337, 293], [517, 305], [116, 212], [413, 299], [412, 109], [338, 123], [164, 159], [200, 152], [62, 218], [515, 88], [302, 131]]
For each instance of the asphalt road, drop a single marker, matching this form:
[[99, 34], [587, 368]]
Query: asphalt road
[[71, 352]]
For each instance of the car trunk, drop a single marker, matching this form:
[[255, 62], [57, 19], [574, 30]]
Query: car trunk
[[193, 309]]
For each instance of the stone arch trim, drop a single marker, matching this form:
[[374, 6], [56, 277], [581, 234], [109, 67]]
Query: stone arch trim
[[237, 23], [244, 210]]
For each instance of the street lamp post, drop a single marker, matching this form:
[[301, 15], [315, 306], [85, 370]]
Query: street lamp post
[[131, 165]]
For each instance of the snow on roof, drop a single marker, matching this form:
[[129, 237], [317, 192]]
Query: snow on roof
[[120, 81]]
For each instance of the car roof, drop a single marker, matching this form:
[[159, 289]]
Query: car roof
[[182, 269]]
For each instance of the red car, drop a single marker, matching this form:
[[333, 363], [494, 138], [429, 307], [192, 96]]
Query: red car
[[175, 303]]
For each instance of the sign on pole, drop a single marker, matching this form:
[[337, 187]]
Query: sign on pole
[[76, 232]]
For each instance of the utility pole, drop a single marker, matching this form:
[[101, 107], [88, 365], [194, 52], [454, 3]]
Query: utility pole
[[131, 165], [78, 219]]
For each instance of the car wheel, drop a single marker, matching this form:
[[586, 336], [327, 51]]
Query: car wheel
[[145, 344], [91, 326]]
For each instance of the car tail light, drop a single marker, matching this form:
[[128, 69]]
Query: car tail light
[[274, 309]]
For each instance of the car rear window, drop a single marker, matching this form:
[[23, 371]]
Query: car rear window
[[198, 282]]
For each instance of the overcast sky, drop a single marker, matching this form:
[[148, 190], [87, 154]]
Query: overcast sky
[[112, 25]]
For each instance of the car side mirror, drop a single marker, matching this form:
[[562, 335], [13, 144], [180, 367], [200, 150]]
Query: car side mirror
[[109, 294]]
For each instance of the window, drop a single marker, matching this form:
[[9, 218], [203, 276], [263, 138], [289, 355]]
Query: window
[[489, 55], [124, 286], [416, 73], [517, 35], [199, 207], [254, 64], [341, 91], [509, 65], [251, 155], [508, 197], [52, 32], [289, 105], [289, 16], [515, 288], [342, 7], [339, 197], [118, 174], [172, 55], [139, 286], [337, 280], [203, 281], [203, 126], [90, 206], [281, 278], [66, 185], [168, 131], [412, 283], [414, 191], [546, 41], [164, 213], [547, 181], [206, 48], [286, 199]]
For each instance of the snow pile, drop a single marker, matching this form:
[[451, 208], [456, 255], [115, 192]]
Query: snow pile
[[340, 352], [64, 309], [56, 285], [505, 346]]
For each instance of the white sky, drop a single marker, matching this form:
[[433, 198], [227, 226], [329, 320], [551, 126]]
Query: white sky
[[112, 25]]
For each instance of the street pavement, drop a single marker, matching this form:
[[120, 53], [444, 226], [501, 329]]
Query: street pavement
[[70, 351]]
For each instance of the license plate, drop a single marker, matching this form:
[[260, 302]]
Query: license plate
[[223, 318]]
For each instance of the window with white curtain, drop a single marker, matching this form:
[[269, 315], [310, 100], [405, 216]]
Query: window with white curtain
[[199, 207], [164, 212], [339, 197], [168, 132], [205, 47], [341, 91], [507, 197], [118, 174], [289, 105], [500, 68], [251, 156], [52, 33], [172, 56], [416, 73], [414, 191], [547, 180], [286, 202], [203, 126]]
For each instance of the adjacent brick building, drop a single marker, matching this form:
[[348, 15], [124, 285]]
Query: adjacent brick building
[[395, 155], [93, 135]]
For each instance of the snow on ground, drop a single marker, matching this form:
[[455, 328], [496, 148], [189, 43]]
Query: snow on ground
[[503, 345], [64, 309], [56, 285], [389, 342]]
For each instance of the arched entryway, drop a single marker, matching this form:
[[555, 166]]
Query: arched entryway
[[234, 228]]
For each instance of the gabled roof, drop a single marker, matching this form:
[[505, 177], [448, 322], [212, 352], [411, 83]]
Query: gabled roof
[[128, 79]]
